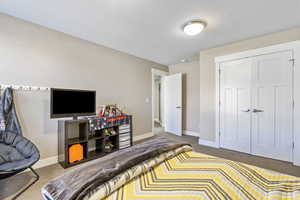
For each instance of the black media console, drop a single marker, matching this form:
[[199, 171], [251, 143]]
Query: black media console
[[96, 136]]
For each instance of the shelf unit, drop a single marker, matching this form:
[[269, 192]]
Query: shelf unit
[[72, 132]]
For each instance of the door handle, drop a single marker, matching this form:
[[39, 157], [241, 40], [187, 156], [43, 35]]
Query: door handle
[[257, 110], [178, 107], [246, 110]]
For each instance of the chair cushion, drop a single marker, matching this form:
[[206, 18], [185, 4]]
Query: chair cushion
[[16, 152], [9, 154]]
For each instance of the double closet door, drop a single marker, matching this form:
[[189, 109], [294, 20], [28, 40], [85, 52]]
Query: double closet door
[[256, 105]]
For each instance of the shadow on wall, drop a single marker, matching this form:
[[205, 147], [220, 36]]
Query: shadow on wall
[[33, 110], [37, 105], [50, 125]]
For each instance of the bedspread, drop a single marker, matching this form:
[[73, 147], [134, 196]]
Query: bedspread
[[83, 181], [195, 176]]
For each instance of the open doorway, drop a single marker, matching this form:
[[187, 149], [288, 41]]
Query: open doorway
[[166, 102], [158, 105], [173, 103], [158, 101]]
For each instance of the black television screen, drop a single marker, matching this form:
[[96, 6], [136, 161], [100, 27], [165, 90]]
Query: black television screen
[[72, 103]]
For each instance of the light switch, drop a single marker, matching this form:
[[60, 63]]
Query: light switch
[[147, 100]]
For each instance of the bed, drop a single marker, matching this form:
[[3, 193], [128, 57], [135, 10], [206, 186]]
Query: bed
[[162, 169]]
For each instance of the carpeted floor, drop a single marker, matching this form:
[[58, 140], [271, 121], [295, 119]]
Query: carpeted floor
[[9, 187]]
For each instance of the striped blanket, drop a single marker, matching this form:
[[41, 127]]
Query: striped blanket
[[160, 169], [195, 176]]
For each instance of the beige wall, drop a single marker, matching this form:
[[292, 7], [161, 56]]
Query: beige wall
[[33, 55], [207, 73], [190, 94]]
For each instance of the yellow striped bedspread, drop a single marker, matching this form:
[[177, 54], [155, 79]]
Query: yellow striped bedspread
[[195, 176]]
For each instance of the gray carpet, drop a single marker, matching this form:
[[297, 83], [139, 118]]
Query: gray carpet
[[10, 186]]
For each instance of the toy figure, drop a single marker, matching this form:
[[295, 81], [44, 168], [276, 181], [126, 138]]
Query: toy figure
[[111, 110], [106, 132], [112, 132], [108, 147]]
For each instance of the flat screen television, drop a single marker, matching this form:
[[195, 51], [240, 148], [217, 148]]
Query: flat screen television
[[72, 103]]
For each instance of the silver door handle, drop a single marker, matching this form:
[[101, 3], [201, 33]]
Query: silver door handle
[[246, 110], [178, 107], [256, 110]]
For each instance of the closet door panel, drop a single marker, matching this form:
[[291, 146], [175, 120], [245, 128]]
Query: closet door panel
[[272, 113], [235, 97]]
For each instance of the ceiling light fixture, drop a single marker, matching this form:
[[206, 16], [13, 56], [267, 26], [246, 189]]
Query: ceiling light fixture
[[183, 60], [194, 27]]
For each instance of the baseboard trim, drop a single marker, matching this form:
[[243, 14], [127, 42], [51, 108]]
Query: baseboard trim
[[157, 120], [208, 143], [143, 136], [190, 133], [46, 162], [54, 159]]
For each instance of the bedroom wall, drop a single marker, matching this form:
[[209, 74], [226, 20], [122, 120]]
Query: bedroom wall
[[207, 73], [33, 55], [190, 95]]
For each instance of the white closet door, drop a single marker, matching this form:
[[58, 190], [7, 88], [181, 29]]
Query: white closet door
[[272, 114], [235, 110]]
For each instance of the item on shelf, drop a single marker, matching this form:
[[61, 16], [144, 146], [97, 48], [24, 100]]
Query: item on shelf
[[92, 134], [109, 132], [111, 110], [124, 130], [125, 126], [94, 124], [75, 153], [108, 147], [106, 132], [124, 138], [97, 123], [112, 131], [124, 144]]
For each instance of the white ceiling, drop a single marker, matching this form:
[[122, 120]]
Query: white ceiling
[[151, 29]]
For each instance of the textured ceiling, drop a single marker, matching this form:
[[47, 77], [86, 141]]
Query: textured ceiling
[[152, 29]]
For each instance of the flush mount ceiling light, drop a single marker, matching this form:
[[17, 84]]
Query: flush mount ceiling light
[[194, 27], [184, 60]]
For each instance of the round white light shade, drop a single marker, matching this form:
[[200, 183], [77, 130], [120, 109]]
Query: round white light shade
[[193, 27]]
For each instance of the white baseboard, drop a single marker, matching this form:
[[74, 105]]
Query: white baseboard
[[46, 162], [208, 143], [143, 136], [191, 133], [157, 120], [54, 159]]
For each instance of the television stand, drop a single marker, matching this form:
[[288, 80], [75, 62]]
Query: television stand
[[93, 135], [75, 117]]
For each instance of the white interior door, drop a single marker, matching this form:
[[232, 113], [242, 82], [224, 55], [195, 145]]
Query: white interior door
[[235, 108], [173, 103], [272, 116]]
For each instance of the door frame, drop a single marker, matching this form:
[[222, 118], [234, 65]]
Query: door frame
[[290, 46], [153, 73]]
